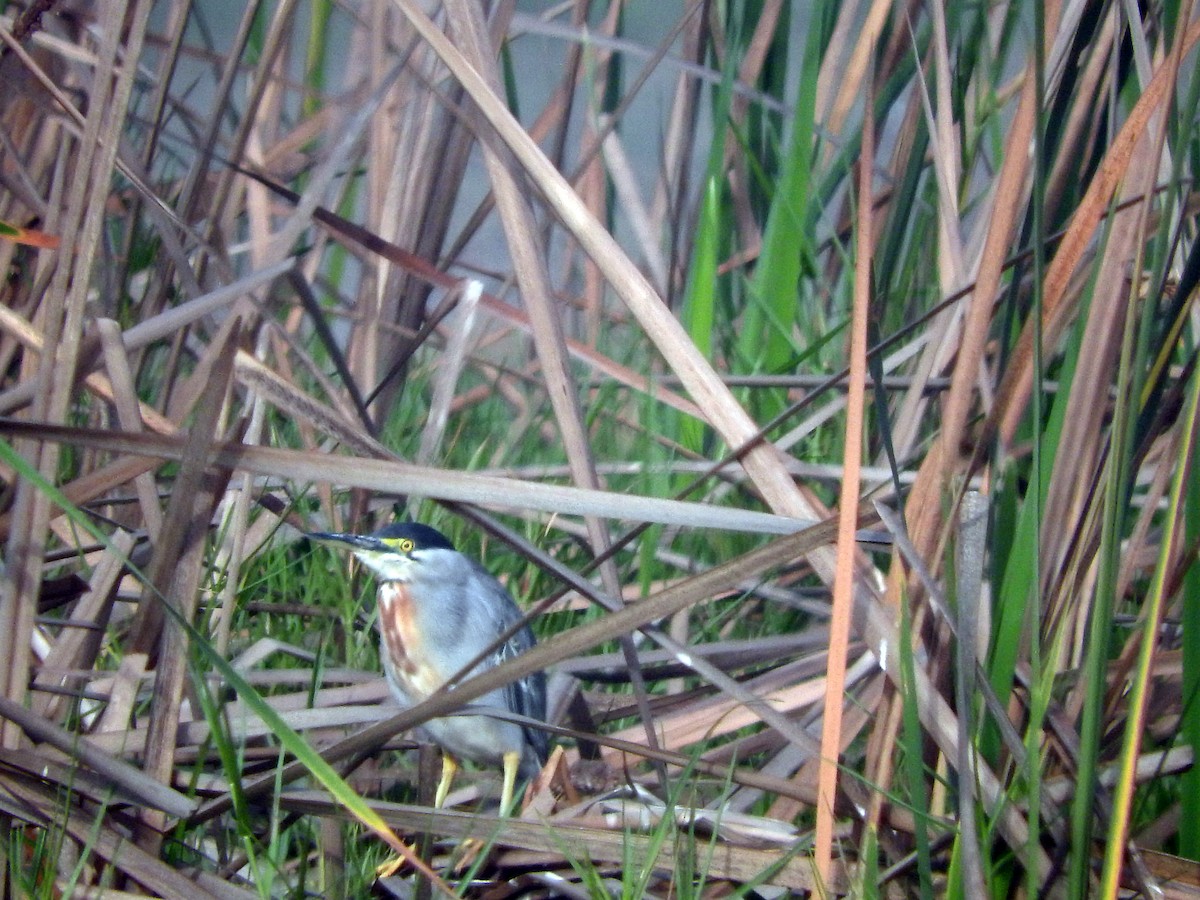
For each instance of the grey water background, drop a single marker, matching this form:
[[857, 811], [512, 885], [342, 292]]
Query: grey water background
[[538, 51]]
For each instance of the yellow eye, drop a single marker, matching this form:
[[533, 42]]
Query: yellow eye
[[406, 546]]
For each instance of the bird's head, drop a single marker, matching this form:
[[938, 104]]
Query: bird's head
[[392, 551]]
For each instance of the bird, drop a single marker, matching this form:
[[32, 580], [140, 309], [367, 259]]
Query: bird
[[439, 609]]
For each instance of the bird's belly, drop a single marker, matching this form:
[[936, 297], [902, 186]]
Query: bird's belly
[[481, 739], [403, 650]]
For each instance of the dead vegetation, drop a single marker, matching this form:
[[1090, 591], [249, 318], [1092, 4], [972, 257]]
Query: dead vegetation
[[821, 378]]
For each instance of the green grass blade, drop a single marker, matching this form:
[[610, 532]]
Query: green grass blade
[[699, 305], [765, 340], [1189, 726], [1119, 822], [913, 771]]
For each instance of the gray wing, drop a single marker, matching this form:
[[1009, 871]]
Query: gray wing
[[525, 696]]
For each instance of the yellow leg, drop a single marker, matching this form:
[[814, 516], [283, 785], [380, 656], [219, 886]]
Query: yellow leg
[[512, 762], [449, 767]]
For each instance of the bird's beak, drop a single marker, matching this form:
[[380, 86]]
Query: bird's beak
[[346, 541]]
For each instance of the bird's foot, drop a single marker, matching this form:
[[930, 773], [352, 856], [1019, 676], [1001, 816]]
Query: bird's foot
[[389, 868]]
